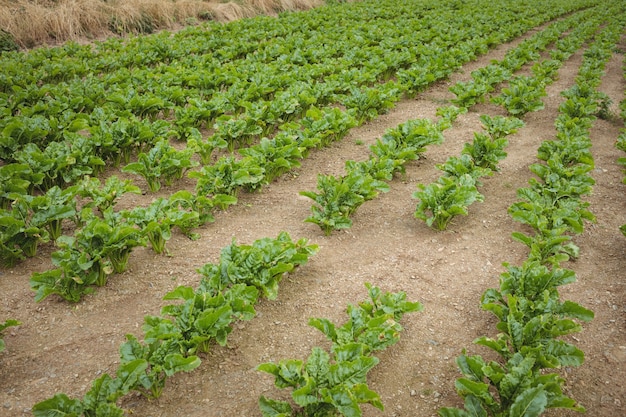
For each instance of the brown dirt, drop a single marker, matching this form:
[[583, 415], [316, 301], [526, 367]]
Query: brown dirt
[[62, 347]]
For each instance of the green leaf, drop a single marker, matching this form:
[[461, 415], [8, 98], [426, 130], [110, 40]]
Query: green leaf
[[307, 394], [341, 397], [287, 373], [480, 390], [325, 326], [572, 309], [471, 367], [566, 353], [474, 408], [175, 362], [272, 408], [530, 403], [103, 390], [109, 410], [58, 406], [352, 372], [365, 395], [129, 374], [318, 366]]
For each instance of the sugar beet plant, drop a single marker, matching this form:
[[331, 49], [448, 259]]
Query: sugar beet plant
[[172, 341], [335, 383], [98, 249]]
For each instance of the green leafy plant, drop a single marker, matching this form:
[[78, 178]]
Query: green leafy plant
[[49, 210], [154, 223], [547, 210], [16, 179], [98, 249], [104, 196], [327, 124], [523, 95], [161, 165], [205, 148], [491, 389], [499, 127], [100, 400], [227, 176], [236, 131], [457, 166], [277, 156], [531, 319], [205, 315], [340, 197], [445, 199], [335, 384], [471, 92], [160, 358], [368, 103], [485, 151], [20, 236], [261, 264]]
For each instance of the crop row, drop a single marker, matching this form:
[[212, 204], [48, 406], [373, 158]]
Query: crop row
[[172, 341], [228, 291], [456, 190], [531, 316], [260, 87], [146, 364], [114, 136], [338, 198]]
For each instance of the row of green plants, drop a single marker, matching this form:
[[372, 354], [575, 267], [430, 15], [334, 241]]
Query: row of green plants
[[264, 85], [253, 39], [31, 220], [531, 316], [453, 193], [217, 184], [334, 382], [338, 198], [48, 148], [44, 136], [33, 127], [104, 238], [451, 196], [524, 93], [174, 340]]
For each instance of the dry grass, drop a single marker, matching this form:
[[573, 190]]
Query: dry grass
[[36, 22]]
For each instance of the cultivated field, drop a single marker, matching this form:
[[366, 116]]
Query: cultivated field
[[435, 149]]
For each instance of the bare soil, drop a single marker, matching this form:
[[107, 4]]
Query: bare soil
[[62, 347]]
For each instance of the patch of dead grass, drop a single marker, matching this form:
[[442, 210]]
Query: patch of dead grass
[[37, 22]]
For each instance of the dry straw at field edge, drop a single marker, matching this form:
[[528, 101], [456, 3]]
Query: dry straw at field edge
[[36, 22]]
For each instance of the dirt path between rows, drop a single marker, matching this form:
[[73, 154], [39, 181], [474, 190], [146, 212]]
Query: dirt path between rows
[[62, 347]]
